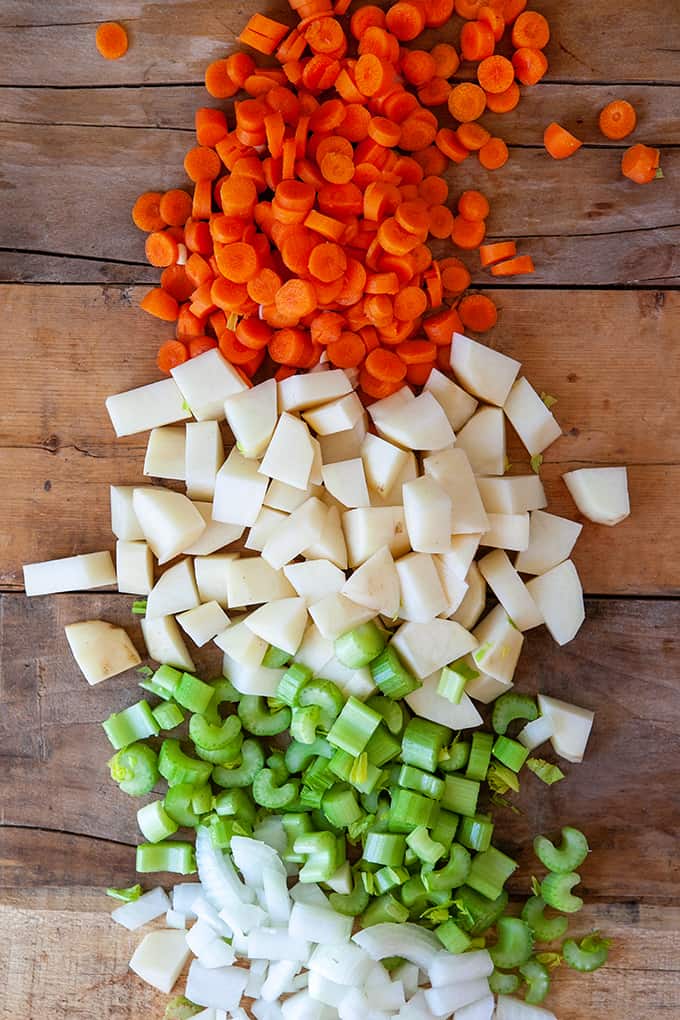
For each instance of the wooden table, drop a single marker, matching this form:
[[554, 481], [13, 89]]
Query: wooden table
[[597, 326]]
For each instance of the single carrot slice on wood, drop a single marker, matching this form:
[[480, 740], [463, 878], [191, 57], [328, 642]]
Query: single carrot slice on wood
[[514, 267], [433, 190], [559, 142], [448, 142], [160, 304], [494, 154], [385, 365], [455, 276], [468, 234], [617, 119], [161, 248], [495, 74], [218, 81], [440, 328], [503, 102], [111, 40], [496, 252], [530, 65], [473, 205], [441, 221], [467, 102], [531, 29], [478, 312], [640, 163], [146, 212], [171, 354]]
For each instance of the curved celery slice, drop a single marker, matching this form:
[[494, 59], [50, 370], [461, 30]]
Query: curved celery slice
[[252, 760], [515, 943], [569, 856], [545, 929], [258, 719], [537, 978], [451, 875], [135, 769], [556, 891], [269, 795], [212, 736], [503, 984], [588, 955], [511, 706]]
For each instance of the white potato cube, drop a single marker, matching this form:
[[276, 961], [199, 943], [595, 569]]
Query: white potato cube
[[316, 473], [290, 454], [426, 647], [483, 440], [422, 596], [409, 472], [571, 727], [418, 424], [331, 543], [287, 498], [242, 644], [512, 495], [170, 522], [426, 703], [427, 510], [485, 688], [124, 523], [240, 489], [457, 405], [252, 581], [165, 644], [461, 554], [534, 423], [368, 529], [300, 392], [383, 463], [338, 416], [455, 587], [601, 494], [559, 596], [203, 623], [375, 584], [174, 591], [206, 381], [300, 530], [165, 453], [160, 958], [314, 579], [551, 540], [101, 649], [280, 623], [267, 523], [335, 615], [500, 644], [315, 650], [346, 481], [251, 416], [510, 590], [212, 575], [507, 531], [134, 567], [216, 535], [357, 683], [486, 373], [252, 680], [344, 445], [146, 407], [203, 458], [451, 470], [474, 601], [72, 573], [536, 732]]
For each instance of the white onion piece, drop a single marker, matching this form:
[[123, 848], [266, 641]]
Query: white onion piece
[[341, 880], [480, 1010], [303, 1007], [344, 964], [417, 945], [183, 896], [416, 1009], [308, 892], [276, 898], [257, 975], [276, 944], [536, 732], [217, 873], [221, 988], [387, 997], [266, 1010], [147, 908], [300, 981], [514, 1009], [206, 912], [174, 919], [209, 948], [159, 959], [354, 1004], [279, 980], [323, 990], [448, 998], [271, 831], [234, 1014], [407, 973], [241, 917], [319, 924], [448, 968], [251, 858], [206, 1014]]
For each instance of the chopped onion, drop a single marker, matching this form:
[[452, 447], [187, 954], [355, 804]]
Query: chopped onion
[[183, 896], [514, 1009], [277, 944], [300, 981], [416, 1009], [217, 873], [221, 988], [448, 968], [251, 858], [308, 892], [319, 924], [279, 980], [257, 975], [412, 943], [536, 732], [354, 1004], [303, 1007], [276, 898], [323, 990], [482, 1009], [206, 912], [271, 831], [209, 948], [341, 881], [448, 998], [344, 964], [407, 973], [389, 996], [159, 959], [241, 917], [148, 907], [266, 1010]]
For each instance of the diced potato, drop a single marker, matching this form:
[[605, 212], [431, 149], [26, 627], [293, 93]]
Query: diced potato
[[251, 416], [383, 463], [507, 531], [134, 567], [124, 523], [451, 469], [146, 407], [203, 623], [300, 392], [368, 529], [240, 487], [483, 440], [335, 615], [160, 958], [418, 424], [203, 459], [267, 523], [346, 481], [300, 530], [601, 494], [206, 382], [315, 650], [461, 554], [426, 703], [174, 591], [170, 522], [486, 373], [457, 405], [455, 588], [409, 473], [337, 416], [72, 573], [571, 727], [280, 623], [101, 649], [559, 596], [500, 644], [252, 581], [357, 683], [216, 535], [375, 584], [331, 543], [314, 579], [551, 540], [316, 472], [536, 732], [165, 644], [422, 596], [425, 648], [534, 423], [512, 495], [290, 454], [287, 498], [510, 590], [485, 688], [249, 680], [165, 453], [242, 644], [344, 445], [211, 577], [427, 511], [472, 606]]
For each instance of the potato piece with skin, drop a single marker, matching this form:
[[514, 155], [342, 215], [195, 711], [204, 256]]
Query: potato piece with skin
[[427, 510], [314, 579], [211, 577], [101, 649], [383, 463], [216, 535], [418, 424], [241, 643], [134, 567], [335, 615], [290, 453], [251, 416], [206, 381], [474, 601], [174, 591], [422, 596], [165, 644], [204, 456], [346, 481], [534, 423], [338, 416], [425, 648], [203, 623], [500, 644], [375, 584], [302, 529], [251, 581], [170, 522], [165, 453], [513, 494], [551, 540], [452, 471], [344, 445], [124, 523], [486, 373], [240, 488], [559, 596], [146, 407], [331, 543], [280, 623], [458, 406], [300, 392], [510, 590], [571, 727], [507, 531], [601, 494], [483, 440], [72, 573], [370, 528]]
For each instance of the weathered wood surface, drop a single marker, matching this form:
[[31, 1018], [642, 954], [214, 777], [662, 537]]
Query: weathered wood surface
[[609, 357]]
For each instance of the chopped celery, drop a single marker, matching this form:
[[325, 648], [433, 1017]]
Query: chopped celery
[[412, 778], [133, 723], [358, 647], [259, 720], [252, 760], [135, 769], [178, 857], [480, 756], [423, 742], [510, 753], [515, 943], [537, 980], [490, 871], [568, 856], [129, 895], [511, 706], [177, 767], [545, 770], [588, 955], [545, 929], [453, 938], [556, 891], [393, 679], [354, 727], [168, 715], [460, 795]]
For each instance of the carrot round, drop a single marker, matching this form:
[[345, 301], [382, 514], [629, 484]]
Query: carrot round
[[455, 276], [469, 9], [296, 298], [439, 328], [530, 65], [446, 60], [493, 17], [497, 251], [473, 205], [253, 333], [559, 142], [477, 41], [617, 119], [200, 344], [409, 303], [503, 102], [468, 234], [175, 207], [473, 136], [517, 266], [161, 248], [378, 389], [218, 81], [438, 12], [417, 352], [478, 312], [441, 221], [232, 348], [346, 352], [495, 74], [366, 17], [512, 9], [640, 163], [405, 20], [111, 40], [385, 365], [160, 304], [494, 154], [327, 262], [418, 67], [530, 29], [175, 281], [146, 212], [238, 262], [417, 375], [171, 354], [433, 190], [467, 102]]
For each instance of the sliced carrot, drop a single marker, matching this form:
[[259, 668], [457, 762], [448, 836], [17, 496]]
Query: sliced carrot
[[531, 29], [111, 40], [146, 212], [446, 60], [232, 348], [478, 312], [617, 119], [493, 17], [512, 9], [467, 234], [171, 354], [253, 333], [448, 142], [238, 262], [472, 136], [325, 35], [201, 205], [438, 12], [418, 67], [417, 352], [497, 251], [559, 142], [433, 190], [467, 102], [455, 277], [441, 221], [440, 328], [495, 74], [287, 347], [175, 281], [503, 102], [218, 82], [494, 154], [327, 262], [160, 304], [385, 365], [175, 207], [188, 324], [263, 287], [364, 18], [227, 295], [346, 352], [473, 205], [435, 92], [640, 163], [514, 266], [405, 20], [530, 65], [469, 9], [417, 375], [296, 298], [378, 389], [477, 41], [409, 303], [200, 344], [161, 248]]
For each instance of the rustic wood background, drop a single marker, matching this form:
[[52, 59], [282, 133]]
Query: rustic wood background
[[597, 326]]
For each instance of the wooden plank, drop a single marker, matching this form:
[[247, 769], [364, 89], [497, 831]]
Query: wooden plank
[[173, 41], [607, 381]]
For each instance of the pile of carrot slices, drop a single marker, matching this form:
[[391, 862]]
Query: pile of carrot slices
[[315, 198]]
